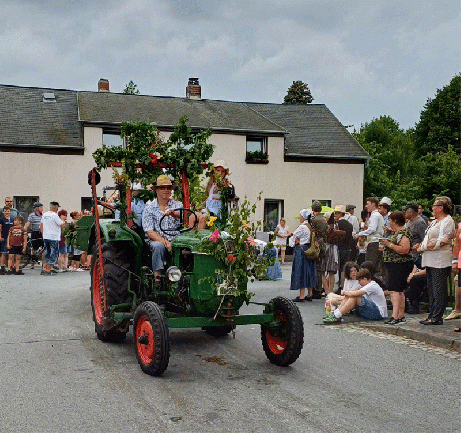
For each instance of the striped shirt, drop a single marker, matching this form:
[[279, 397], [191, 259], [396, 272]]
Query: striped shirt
[[35, 221]]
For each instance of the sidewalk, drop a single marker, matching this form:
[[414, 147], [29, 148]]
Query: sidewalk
[[437, 335]]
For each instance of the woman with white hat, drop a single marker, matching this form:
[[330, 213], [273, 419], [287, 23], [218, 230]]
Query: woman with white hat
[[303, 271], [219, 175]]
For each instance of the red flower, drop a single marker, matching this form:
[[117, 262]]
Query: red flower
[[231, 258]]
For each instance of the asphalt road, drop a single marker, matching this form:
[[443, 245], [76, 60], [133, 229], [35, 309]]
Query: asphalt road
[[57, 377]]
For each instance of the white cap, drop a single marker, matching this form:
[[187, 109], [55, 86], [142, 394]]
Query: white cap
[[386, 200]]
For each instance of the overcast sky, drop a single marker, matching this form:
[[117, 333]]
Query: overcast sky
[[362, 59]]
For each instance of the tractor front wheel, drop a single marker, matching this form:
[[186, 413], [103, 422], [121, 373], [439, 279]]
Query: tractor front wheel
[[283, 344], [151, 339]]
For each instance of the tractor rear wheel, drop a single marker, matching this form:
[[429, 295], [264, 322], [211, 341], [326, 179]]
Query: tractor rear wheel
[[116, 266], [218, 331], [151, 338], [283, 344]]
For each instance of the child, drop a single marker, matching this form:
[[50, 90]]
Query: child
[[76, 253], [6, 222], [350, 283], [16, 244], [369, 301], [64, 250]]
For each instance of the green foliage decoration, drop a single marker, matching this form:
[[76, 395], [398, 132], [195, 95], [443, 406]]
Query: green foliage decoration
[[183, 151], [231, 247]]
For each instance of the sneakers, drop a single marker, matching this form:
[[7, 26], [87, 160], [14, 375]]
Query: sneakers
[[19, 272], [393, 321], [46, 273], [11, 272], [453, 315], [79, 270], [331, 318]]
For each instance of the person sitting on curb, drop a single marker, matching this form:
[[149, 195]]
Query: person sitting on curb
[[369, 301]]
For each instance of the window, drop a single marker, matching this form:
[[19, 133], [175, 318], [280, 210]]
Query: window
[[25, 204], [273, 211], [111, 138], [256, 150], [86, 203]]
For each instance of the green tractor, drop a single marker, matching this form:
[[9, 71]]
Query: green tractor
[[125, 292]]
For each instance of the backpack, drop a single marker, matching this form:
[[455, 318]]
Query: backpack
[[313, 252]]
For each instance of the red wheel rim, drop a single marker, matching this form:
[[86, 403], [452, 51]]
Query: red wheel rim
[[145, 351], [276, 345], [97, 304]]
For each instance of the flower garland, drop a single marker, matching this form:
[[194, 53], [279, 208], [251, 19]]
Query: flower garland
[[232, 248]]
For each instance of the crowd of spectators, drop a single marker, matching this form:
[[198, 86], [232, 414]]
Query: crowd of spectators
[[407, 258], [41, 231]]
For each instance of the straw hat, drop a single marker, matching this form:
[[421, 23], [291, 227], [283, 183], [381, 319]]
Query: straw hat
[[221, 163], [340, 208], [164, 180]]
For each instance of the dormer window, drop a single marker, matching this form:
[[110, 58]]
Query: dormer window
[[49, 97]]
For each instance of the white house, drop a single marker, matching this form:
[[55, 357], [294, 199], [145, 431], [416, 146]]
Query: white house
[[47, 137]]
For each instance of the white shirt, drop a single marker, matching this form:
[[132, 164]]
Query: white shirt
[[439, 231], [354, 221], [351, 285], [302, 233], [375, 294], [51, 226], [375, 227], [281, 232]]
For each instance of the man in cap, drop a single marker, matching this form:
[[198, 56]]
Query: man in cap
[[33, 225], [345, 247], [51, 232], [158, 240], [320, 227], [384, 207], [349, 216]]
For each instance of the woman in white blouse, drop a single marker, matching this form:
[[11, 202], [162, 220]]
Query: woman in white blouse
[[303, 271], [282, 232], [436, 249]]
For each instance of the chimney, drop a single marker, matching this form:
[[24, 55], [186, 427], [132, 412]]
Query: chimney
[[103, 85], [193, 89]]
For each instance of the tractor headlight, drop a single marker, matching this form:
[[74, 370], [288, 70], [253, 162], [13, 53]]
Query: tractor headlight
[[174, 274]]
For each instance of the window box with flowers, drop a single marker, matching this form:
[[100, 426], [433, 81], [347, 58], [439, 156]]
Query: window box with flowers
[[256, 157]]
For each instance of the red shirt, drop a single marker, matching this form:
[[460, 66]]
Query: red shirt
[[17, 236]]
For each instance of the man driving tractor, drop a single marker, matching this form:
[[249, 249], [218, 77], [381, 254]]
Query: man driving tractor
[[159, 240]]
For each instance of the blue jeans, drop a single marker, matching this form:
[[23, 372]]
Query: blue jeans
[[368, 310], [52, 251], [158, 255]]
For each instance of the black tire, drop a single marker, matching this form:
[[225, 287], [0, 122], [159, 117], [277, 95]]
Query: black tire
[[218, 331], [25, 260], [151, 338], [116, 264], [283, 345]]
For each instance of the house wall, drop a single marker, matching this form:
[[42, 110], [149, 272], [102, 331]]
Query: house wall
[[64, 177], [297, 183]]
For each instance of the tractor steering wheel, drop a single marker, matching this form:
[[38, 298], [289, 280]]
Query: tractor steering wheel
[[182, 212]]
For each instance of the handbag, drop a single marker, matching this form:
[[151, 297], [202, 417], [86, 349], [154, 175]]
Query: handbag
[[313, 252], [335, 236]]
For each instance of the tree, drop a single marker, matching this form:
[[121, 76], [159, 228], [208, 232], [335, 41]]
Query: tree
[[131, 89], [440, 122], [392, 170], [298, 93]]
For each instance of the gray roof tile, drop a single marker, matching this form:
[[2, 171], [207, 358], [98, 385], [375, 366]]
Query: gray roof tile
[[166, 112], [28, 121], [313, 131]]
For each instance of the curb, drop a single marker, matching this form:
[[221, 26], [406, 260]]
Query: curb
[[414, 334]]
